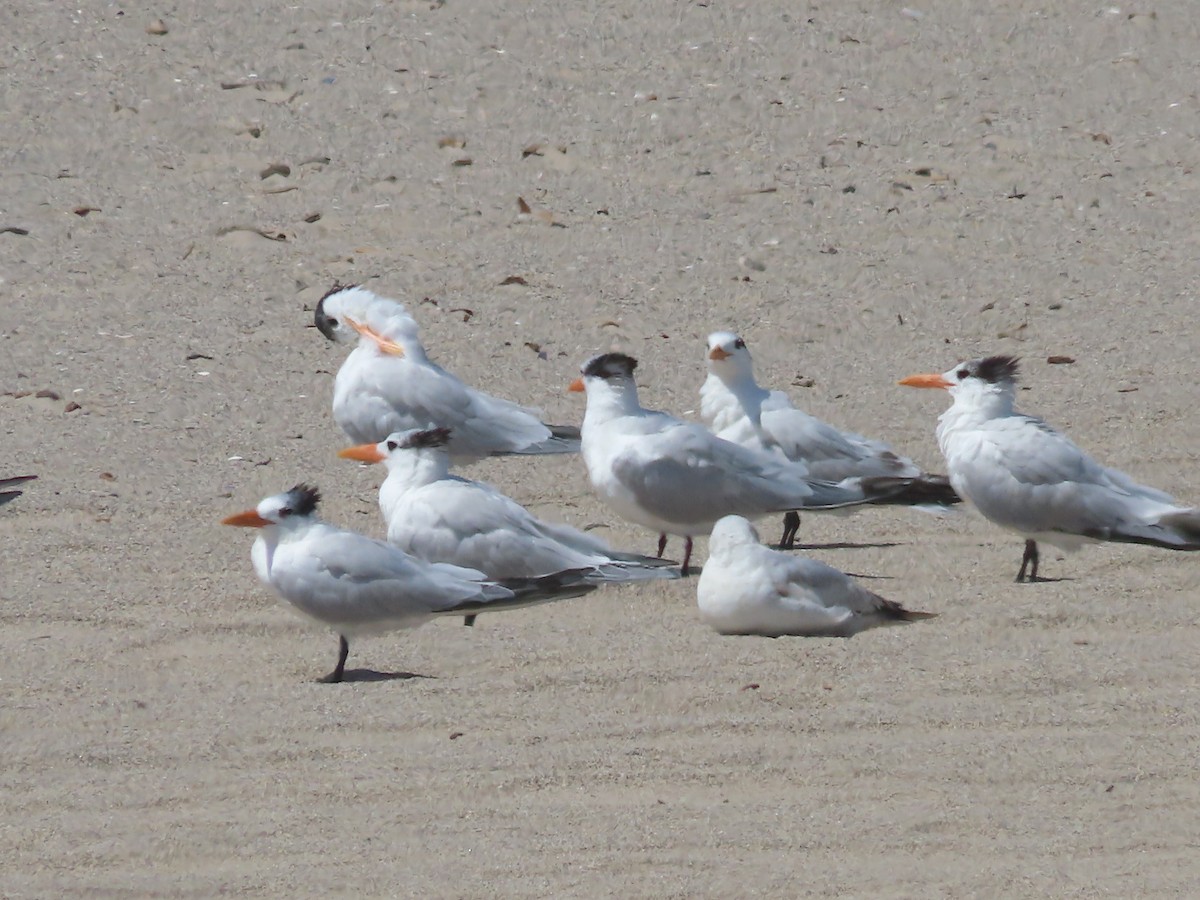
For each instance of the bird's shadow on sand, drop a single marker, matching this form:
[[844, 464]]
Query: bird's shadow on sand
[[837, 545], [370, 675]]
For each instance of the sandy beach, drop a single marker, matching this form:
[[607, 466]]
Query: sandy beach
[[861, 190]]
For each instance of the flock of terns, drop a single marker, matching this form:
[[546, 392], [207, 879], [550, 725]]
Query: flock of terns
[[459, 547]]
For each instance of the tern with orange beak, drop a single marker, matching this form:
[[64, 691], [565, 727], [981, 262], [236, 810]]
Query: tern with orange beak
[[389, 384], [1025, 476], [441, 517], [677, 477], [737, 409], [357, 585]]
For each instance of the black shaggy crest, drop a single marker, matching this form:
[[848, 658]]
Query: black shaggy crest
[[304, 499], [324, 323], [430, 437], [609, 365], [994, 369]]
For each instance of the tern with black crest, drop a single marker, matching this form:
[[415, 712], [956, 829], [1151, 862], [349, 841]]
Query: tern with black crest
[[441, 517], [1027, 477], [388, 383], [357, 585], [677, 477]]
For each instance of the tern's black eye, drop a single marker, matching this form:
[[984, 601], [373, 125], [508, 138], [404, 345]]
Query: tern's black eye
[[285, 512], [962, 373], [392, 445], [740, 344]]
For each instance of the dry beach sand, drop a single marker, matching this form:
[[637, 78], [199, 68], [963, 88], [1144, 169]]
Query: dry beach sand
[[863, 190]]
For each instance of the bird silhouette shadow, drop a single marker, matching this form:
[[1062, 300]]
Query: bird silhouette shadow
[[372, 675]]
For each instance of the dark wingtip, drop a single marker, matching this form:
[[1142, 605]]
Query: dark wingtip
[[304, 499], [606, 365], [430, 437], [994, 369]]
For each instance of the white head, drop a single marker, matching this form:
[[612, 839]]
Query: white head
[[732, 534], [294, 507], [351, 313], [986, 382], [728, 357], [419, 441]]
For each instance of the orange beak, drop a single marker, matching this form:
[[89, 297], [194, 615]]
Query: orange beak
[[718, 354], [386, 345], [248, 519], [576, 386], [925, 381], [368, 453]]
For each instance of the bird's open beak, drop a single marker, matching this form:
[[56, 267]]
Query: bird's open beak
[[387, 345], [576, 386], [718, 354], [248, 519], [925, 381], [368, 453]]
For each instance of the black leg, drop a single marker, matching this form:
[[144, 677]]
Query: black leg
[[791, 526], [1030, 560], [469, 621], [343, 651], [662, 544], [687, 557]]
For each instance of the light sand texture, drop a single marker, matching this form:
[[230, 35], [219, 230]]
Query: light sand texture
[[863, 190]]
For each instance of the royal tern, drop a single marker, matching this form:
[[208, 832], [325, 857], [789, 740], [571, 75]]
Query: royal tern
[[739, 410], [357, 585], [676, 477], [747, 588], [7, 496], [441, 517], [1029, 478], [388, 384]]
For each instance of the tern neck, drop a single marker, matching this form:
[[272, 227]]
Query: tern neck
[[974, 405], [747, 393], [411, 469], [610, 398]]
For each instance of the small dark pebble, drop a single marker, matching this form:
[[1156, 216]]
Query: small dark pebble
[[455, 735], [72, 406], [1060, 360], [47, 394]]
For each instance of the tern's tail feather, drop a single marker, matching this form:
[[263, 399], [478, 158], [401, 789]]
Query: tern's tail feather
[[1174, 531], [563, 439], [7, 496], [636, 568], [529, 592], [924, 490], [892, 610]]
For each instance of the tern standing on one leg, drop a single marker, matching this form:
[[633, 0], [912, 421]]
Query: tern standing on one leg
[[357, 585], [1027, 477]]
